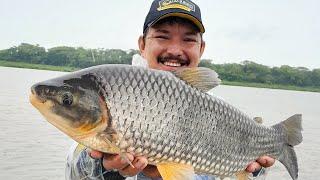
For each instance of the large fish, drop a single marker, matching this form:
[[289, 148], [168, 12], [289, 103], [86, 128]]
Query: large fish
[[165, 116]]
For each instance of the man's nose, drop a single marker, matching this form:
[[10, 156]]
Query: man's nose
[[175, 49]]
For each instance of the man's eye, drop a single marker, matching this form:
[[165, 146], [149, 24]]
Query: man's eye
[[190, 40], [161, 37]]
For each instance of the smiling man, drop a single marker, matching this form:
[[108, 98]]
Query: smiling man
[[172, 39]]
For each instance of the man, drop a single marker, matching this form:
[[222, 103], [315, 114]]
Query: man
[[172, 39]]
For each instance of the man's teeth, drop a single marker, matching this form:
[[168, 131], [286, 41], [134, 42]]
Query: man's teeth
[[172, 64]]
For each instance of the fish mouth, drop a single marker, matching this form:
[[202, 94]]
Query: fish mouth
[[35, 100], [34, 96], [173, 61]]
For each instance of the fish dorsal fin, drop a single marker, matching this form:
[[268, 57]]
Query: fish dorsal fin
[[175, 171], [200, 77]]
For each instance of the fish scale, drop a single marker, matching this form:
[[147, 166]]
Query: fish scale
[[170, 119]]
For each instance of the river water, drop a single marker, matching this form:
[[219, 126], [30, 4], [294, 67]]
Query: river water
[[31, 148]]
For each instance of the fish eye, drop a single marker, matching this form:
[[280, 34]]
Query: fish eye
[[67, 99]]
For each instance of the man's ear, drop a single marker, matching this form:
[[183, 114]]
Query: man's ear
[[141, 44], [202, 47]]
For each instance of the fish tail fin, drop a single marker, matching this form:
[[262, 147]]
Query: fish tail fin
[[292, 127], [289, 160]]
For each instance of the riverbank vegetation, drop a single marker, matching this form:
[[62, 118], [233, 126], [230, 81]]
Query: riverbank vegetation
[[37, 66], [247, 73]]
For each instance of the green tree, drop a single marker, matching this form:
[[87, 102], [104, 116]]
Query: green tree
[[24, 52], [60, 56], [254, 72]]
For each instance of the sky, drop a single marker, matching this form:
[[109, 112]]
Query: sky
[[269, 32]]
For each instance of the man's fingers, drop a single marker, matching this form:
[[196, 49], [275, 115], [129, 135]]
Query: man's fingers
[[263, 161], [95, 154], [139, 164], [111, 161], [252, 167], [266, 161]]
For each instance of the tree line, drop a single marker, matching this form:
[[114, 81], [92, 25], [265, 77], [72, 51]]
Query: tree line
[[66, 56], [247, 71]]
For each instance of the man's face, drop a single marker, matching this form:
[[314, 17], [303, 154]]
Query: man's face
[[172, 46]]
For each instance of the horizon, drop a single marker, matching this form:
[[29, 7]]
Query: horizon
[[271, 33]]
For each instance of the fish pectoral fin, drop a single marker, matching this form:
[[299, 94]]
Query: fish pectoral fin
[[116, 149], [79, 149], [200, 77], [175, 171], [242, 175]]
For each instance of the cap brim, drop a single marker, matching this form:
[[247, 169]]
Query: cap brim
[[182, 15]]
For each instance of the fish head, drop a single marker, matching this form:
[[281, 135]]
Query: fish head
[[73, 104]]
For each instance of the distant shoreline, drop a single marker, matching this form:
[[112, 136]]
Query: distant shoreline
[[37, 66], [271, 86], [230, 83]]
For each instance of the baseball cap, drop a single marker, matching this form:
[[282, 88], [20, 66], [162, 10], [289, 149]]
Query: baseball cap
[[161, 9]]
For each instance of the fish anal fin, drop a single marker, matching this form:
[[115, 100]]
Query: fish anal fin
[[242, 175], [175, 171], [79, 148]]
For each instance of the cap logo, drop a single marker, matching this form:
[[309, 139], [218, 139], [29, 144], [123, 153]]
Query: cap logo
[[176, 4]]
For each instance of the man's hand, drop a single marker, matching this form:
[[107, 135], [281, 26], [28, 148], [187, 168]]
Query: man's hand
[[263, 161], [116, 162]]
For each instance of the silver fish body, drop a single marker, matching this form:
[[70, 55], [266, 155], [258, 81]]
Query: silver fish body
[[156, 114]]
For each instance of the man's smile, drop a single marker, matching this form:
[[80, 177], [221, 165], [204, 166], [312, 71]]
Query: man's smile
[[173, 61], [174, 64]]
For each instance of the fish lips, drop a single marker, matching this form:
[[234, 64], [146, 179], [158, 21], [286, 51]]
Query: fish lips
[[36, 95]]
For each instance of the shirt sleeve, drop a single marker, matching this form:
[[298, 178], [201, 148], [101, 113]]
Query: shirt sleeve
[[260, 175], [81, 166]]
